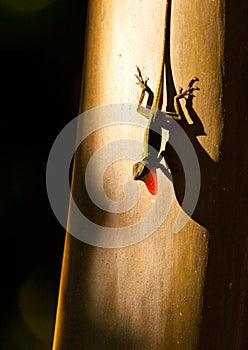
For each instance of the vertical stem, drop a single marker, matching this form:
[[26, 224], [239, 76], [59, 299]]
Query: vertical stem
[[148, 295]]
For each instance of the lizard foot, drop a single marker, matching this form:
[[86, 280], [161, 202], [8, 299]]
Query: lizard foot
[[141, 82], [190, 88]]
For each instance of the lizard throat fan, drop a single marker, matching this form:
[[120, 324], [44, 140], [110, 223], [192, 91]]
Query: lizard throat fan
[[149, 177], [152, 182]]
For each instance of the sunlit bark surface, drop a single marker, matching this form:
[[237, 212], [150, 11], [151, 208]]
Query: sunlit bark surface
[[150, 295]]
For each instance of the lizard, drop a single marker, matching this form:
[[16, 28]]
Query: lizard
[[145, 170]]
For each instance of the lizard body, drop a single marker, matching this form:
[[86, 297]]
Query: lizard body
[[145, 170]]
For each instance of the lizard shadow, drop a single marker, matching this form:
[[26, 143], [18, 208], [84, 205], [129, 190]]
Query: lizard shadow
[[190, 168], [204, 212]]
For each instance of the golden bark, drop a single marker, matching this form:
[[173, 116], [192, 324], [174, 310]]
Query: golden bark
[[148, 295]]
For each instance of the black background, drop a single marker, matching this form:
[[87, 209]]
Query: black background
[[41, 63]]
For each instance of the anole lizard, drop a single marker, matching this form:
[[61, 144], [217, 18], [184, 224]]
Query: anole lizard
[[145, 170]]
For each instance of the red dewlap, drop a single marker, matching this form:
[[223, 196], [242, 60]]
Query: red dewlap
[[152, 182]]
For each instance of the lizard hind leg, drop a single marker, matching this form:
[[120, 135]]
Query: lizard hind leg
[[192, 81], [143, 85], [189, 89], [145, 111], [182, 93]]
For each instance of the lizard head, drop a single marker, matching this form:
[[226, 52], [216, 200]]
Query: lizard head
[[149, 177], [139, 170]]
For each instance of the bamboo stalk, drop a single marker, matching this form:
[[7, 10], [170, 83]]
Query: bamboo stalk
[[147, 295]]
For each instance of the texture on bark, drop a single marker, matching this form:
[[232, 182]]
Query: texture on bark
[[151, 295]]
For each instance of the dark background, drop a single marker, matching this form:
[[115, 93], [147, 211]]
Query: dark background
[[41, 61]]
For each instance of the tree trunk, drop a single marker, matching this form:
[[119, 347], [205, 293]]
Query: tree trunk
[[148, 295]]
